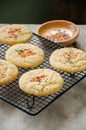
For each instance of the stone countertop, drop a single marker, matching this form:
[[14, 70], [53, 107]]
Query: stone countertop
[[66, 113]]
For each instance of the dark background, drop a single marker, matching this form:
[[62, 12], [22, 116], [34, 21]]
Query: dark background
[[39, 11]]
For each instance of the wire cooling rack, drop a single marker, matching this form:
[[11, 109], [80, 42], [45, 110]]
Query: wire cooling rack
[[29, 103]]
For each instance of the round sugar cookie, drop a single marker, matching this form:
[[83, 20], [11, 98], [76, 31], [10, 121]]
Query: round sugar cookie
[[68, 59], [14, 34], [41, 82], [8, 72], [25, 55]]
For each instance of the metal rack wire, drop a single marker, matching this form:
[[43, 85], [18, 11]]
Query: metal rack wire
[[29, 103]]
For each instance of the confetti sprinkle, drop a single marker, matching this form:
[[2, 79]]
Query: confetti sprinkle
[[25, 53], [70, 55], [14, 33], [39, 79], [3, 69], [58, 35]]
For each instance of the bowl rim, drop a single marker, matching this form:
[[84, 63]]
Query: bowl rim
[[66, 21]]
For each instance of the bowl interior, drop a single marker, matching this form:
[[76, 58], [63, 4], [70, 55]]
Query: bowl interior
[[64, 26]]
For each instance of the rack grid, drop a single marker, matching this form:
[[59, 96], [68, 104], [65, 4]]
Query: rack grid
[[32, 104]]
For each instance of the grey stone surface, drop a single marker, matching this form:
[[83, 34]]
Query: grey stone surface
[[66, 113]]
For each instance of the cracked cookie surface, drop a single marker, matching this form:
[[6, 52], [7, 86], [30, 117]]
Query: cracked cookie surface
[[41, 82], [8, 72], [68, 59], [14, 34], [25, 55]]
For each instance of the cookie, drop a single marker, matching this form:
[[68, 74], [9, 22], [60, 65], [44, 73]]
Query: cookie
[[41, 82], [8, 72], [25, 55], [68, 59], [14, 34]]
